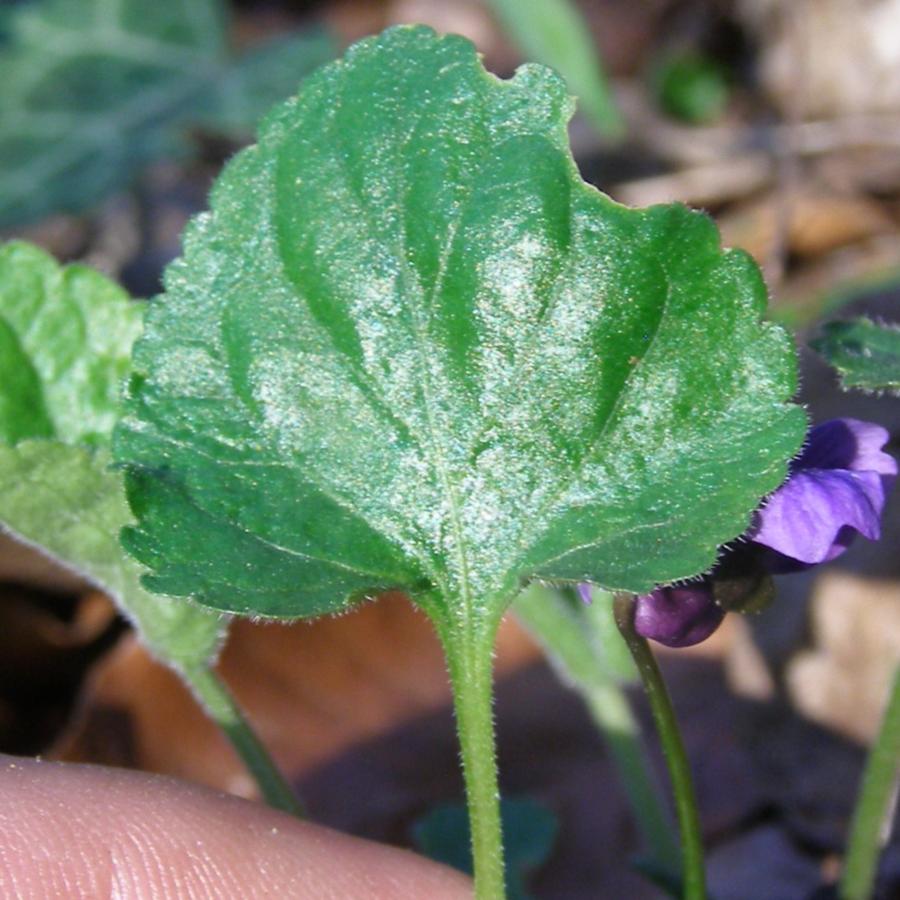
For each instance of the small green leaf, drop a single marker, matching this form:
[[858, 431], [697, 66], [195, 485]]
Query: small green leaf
[[65, 501], [691, 87], [554, 33], [529, 830], [93, 90], [866, 354], [409, 348], [65, 341]]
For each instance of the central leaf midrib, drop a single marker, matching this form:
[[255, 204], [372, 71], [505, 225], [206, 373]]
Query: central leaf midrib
[[421, 330], [419, 334]]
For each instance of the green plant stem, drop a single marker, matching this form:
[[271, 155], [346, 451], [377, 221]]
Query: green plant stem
[[470, 662], [584, 647], [611, 711], [877, 795], [693, 870], [221, 707]]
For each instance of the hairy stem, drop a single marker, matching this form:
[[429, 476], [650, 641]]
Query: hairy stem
[[693, 870], [222, 708], [875, 804], [470, 661]]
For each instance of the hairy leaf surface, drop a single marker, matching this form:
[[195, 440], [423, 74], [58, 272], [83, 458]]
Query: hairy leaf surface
[[410, 348], [70, 330], [865, 353], [94, 89]]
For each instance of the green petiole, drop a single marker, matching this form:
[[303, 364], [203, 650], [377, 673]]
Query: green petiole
[[222, 708]]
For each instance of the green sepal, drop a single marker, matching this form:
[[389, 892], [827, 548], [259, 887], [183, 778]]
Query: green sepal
[[749, 591]]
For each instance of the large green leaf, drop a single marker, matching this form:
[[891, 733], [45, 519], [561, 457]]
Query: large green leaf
[[65, 340], [94, 89], [866, 354], [410, 348]]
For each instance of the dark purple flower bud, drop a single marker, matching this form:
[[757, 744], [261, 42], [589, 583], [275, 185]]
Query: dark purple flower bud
[[836, 488], [584, 591], [678, 616]]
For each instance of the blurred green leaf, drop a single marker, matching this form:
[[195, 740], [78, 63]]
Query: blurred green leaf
[[95, 89], [581, 641], [71, 330], [553, 32], [260, 78], [692, 88], [865, 353], [529, 830]]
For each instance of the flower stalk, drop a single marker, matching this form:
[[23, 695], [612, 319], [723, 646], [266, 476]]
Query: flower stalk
[[584, 646], [693, 868]]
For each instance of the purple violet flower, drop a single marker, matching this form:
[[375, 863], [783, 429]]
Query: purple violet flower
[[835, 488]]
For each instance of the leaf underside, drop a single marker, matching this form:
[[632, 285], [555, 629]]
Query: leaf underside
[[68, 332], [95, 89], [410, 348], [865, 353]]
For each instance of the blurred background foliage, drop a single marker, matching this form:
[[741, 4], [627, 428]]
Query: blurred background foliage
[[781, 118]]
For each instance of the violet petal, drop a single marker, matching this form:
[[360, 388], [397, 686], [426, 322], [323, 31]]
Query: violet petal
[[803, 518], [847, 444]]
